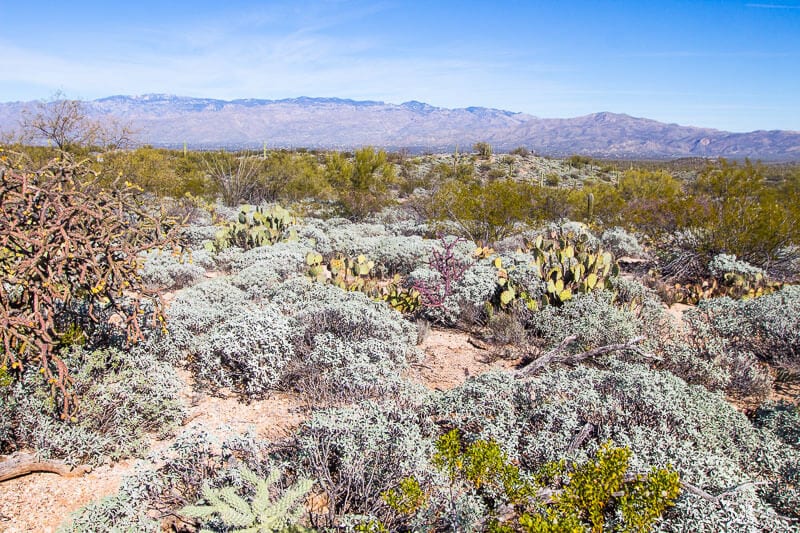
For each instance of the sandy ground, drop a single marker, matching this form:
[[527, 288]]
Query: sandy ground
[[42, 501], [450, 358]]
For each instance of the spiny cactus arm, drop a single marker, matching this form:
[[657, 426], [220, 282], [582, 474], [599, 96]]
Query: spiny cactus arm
[[287, 510], [230, 507], [261, 500]]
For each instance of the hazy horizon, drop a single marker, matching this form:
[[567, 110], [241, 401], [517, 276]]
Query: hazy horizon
[[723, 65]]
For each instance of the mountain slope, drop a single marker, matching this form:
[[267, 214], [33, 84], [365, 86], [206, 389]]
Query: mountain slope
[[340, 123]]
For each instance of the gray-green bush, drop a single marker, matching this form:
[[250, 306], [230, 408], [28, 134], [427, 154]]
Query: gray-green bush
[[126, 396]]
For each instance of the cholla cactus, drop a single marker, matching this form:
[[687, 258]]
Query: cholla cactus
[[262, 514]]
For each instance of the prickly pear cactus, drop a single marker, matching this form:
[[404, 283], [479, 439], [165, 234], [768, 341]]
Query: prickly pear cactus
[[566, 264], [255, 227]]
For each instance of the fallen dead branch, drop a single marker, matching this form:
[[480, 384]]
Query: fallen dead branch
[[21, 464], [558, 355]]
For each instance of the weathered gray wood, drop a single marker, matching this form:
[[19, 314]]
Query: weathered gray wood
[[557, 355], [21, 464]]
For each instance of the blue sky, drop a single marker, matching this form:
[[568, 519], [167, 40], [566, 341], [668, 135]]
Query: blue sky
[[731, 65]]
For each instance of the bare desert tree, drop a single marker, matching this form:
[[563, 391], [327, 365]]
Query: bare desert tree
[[237, 178], [67, 125]]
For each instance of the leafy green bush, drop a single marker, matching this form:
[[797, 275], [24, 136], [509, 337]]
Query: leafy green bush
[[481, 212], [743, 215], [483, 149], [362, 185], [599, 492]]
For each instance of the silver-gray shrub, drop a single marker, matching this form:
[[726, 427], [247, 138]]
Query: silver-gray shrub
[[310, 232], [592, 317], [125, 396], [399, 254], [400, 221], [319, 308], [724, 263], [248, 351], [661, 418], [196, 310], [345, 342], [118, 513], [351, 239], [287, 258], [346, 368], [256, 280], [302, 335], [724, 344], [197, 235], [782, 419], [164, 269], [391, 253], [359, 452], [621, 243], [768, 326]]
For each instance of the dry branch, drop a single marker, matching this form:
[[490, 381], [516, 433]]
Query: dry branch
[[557, 355], [21, 464], [581, 437]]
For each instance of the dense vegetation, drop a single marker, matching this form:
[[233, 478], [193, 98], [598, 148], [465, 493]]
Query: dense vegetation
[[619, 416]]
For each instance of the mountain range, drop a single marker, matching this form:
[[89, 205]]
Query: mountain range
[[167, 120]]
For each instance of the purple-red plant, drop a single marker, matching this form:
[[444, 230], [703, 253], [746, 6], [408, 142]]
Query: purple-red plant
[[450, 269]]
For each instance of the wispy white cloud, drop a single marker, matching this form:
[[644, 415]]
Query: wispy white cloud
[[773, 6], [279, 52]]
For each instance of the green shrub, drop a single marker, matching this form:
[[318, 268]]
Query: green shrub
[[484, 213], [362, 185], [483, 149], [593, 489]]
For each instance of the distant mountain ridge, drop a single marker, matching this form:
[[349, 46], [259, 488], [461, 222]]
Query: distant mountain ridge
[[168, 120]]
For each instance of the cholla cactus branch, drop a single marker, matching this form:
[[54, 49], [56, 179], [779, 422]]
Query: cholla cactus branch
[[69, 246], [450, 269]]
